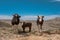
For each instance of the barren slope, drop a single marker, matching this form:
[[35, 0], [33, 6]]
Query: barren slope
[[7, 32]]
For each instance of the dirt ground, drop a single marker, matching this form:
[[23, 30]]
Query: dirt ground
[[51, 31]]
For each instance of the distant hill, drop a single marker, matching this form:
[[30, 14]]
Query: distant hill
[[52, 24], [7, 31]]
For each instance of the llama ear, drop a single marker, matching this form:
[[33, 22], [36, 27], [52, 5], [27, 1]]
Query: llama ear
[[38, 16], [13, 15], [19, 16], [43, 16]]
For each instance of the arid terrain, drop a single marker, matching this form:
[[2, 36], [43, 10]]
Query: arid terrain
[[51, 31]]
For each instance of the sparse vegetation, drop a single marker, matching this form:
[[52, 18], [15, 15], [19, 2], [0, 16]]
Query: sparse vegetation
[[52, 31], [3, 24]]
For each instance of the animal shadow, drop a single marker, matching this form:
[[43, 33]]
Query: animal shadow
[[23, 33]]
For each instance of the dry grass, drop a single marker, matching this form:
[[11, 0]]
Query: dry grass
[[51, 31]]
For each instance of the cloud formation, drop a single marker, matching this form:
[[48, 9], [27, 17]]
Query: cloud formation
[[30, 17], [51, 17], [5, 17], [55, 0]]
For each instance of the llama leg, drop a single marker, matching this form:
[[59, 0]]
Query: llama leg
[[23, 29], [29, 29], [17, 28], [40, 28]]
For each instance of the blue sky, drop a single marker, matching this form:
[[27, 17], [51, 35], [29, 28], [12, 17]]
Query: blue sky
[[29, 7]]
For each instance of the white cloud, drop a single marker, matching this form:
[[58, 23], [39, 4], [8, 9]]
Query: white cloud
[[55, 0], [51, 17], [5, 17], [30, 17], [35, 17]]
